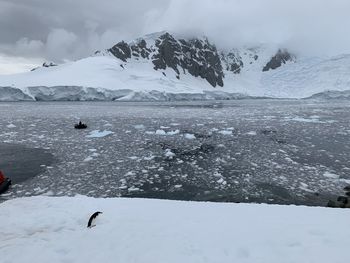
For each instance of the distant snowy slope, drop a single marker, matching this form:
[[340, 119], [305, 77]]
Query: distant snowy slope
[[105, 72], [309, 76], [171, 65], [51, 229], [332, 95]]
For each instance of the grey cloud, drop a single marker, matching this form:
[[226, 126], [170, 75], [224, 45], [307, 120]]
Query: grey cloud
[[86, 25], [65, 29]]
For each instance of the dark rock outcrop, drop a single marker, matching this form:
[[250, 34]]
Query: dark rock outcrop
[[233, 62], [201, 58], [197, 57], [140, 49], [121, 50], [45, 65], [342, 201], [282, 57], [49, 64], [169, 51]]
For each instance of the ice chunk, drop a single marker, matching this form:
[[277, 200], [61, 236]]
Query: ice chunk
[[98, 134], [190, 136]]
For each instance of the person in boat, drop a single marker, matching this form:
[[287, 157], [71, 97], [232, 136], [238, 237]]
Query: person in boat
[[2, 177], [80, 125], [4, 183]]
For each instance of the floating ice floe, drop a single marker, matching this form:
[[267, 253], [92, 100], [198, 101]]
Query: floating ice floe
[[331, 175], [88, 159], [139, 127], [11, 126], [251, 133], [160, 132], [311, 119], [163, 133], [225, 132], [99, 134], [169, 154], [173, 132], [133, 189], [190, 136]]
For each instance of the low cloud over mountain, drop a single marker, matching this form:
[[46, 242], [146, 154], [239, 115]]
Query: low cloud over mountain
[[68, 30]]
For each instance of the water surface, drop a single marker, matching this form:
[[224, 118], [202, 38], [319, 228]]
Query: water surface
[[274, 151]]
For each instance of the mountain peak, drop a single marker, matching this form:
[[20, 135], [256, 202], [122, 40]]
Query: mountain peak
[[197, 56]]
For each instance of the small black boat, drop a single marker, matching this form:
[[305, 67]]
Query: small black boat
[[4, 186], [80, 126]]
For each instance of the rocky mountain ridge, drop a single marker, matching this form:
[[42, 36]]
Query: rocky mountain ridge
[[197, 57]]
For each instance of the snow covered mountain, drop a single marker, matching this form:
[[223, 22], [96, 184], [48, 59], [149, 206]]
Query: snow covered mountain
[[163, 66]]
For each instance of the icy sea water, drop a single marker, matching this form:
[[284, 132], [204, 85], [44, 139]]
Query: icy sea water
[[274, 151]]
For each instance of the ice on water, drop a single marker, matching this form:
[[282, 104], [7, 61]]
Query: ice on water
[[253, 151]]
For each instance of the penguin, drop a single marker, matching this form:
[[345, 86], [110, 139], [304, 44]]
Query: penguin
[[92, 219]]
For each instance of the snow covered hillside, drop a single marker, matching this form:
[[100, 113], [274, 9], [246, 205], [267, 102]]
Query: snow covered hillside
[[166, 67], [47, 229]]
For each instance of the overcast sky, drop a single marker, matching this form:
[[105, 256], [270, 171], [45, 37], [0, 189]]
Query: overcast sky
[[33, 31]]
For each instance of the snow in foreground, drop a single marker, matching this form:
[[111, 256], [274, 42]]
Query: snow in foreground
[[47, 229]]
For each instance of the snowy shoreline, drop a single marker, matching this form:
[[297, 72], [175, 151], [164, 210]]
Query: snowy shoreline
[[139, 230], [79, 93]]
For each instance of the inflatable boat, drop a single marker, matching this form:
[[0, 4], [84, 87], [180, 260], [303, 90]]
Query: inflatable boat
[[80, 126]]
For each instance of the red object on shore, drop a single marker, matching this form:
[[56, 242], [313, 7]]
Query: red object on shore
[[2, 177]]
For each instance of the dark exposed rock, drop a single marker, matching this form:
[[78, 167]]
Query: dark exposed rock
[[140, 49], [282, 57], [204, 61], [343, 199], [197, 57], [233, 62], [235, 68], [332, 204], [45, 65], [121, 50], [49, 64], [169, 51]]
